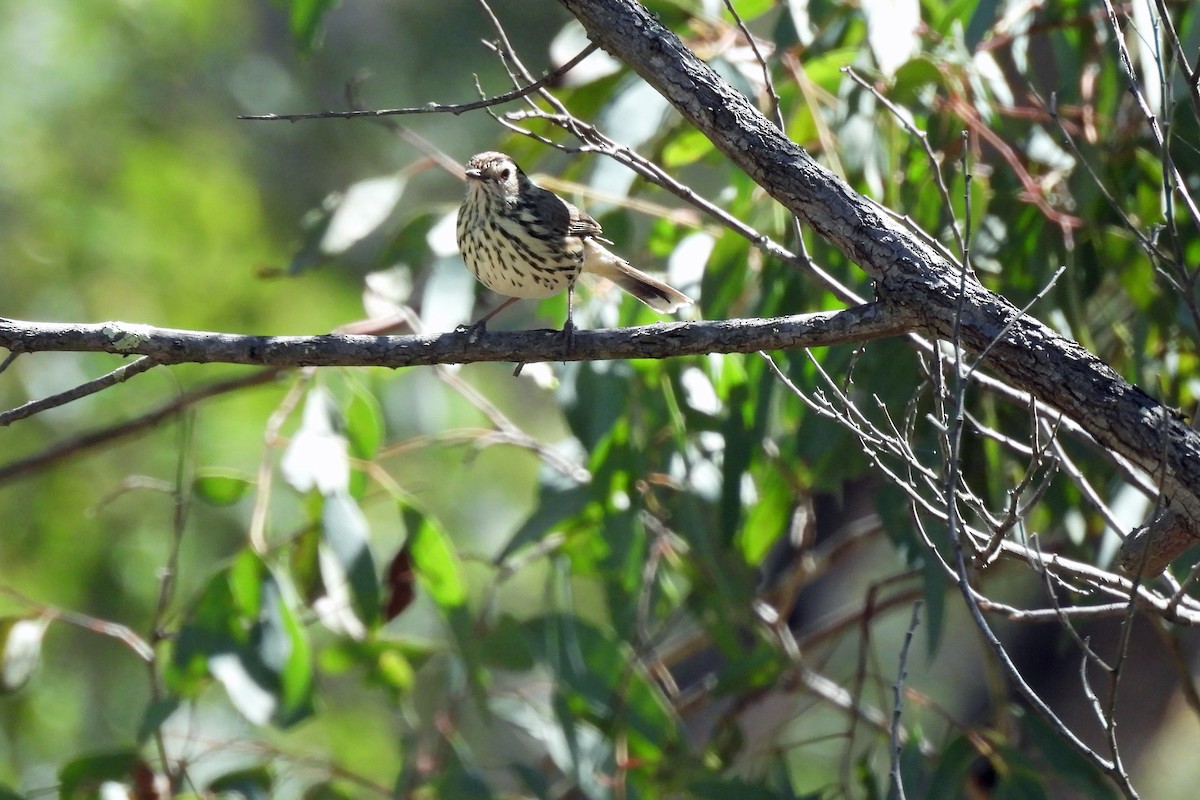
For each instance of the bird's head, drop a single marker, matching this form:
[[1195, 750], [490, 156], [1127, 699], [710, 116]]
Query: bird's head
[[496, 174]]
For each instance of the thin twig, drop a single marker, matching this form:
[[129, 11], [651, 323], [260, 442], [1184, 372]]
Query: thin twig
[[122, 633], [776, 114], [898, 699], [8, 360], [262, 498], [143, 422], [596, 141], [922, 137], [958, 539], [181, 494], [436, 108], [118, 375], [1191, 78], [1135, 90]]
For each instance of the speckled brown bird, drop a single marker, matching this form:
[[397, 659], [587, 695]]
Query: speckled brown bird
[[526, 242]]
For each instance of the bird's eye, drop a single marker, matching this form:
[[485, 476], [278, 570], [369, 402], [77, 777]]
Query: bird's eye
[[505, 174]]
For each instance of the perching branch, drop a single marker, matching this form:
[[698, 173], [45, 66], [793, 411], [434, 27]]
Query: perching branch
[[662, 340]]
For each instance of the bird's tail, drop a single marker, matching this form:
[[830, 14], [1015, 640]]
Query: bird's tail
[[599, 261]]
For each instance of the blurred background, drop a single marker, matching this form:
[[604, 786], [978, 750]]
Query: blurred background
[[130, 191]]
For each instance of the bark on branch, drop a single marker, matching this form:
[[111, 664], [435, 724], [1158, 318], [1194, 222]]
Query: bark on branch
[[172, 346], [912, 275]]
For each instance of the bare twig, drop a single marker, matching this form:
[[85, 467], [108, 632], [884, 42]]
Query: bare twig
[[436, 108], [181, 493], [898, 700], [8, 360], [118, 375], [1171, 173], [262, 487], [122, 633], [935, 165], [102, 436]]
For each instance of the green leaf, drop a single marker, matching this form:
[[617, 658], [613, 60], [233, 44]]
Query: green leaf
[[81, 778], [825, 69], [394, 670], [934, 593], [304, 564], [385, 663], [952, 768], [244, 632], [317, 456], [634, 115], [363, 211], [913, 767], [914, 77], [688, 147], [458, 783], [221, 488], [593, 674], [347, 567], [594, 396], [982, 22], [436, 564], [507, 646], [751, 9], [767, 519], [330, 790], [1064, 760], [731, 789], [364, 422], [251, 784], [305, 20], [284, 647], [558, 499], [756, 666], [740, 447], [313, 224], [1025, 785], [155, 715]]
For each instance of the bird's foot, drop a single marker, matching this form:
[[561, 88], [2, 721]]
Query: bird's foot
[[473, 331], [568, 337]]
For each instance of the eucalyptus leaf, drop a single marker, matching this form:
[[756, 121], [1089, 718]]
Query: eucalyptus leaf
[[20, 650]]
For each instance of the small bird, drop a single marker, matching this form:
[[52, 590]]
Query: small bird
[[526, 242]]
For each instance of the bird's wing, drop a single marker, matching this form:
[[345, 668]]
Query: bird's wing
[[551, 210], [582, 225]]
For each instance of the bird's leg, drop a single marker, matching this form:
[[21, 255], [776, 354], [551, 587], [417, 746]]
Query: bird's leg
[[477, 329], [568, 331]]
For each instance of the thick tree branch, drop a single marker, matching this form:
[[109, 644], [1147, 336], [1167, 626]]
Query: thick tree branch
[[909, 272], [663, 340]]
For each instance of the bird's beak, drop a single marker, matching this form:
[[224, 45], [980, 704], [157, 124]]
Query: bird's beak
[[474, 175]]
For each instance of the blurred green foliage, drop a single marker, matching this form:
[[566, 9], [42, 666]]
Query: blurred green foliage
[[450, 582]]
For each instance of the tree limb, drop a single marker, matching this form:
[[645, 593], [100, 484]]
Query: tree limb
[[662, 340]]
